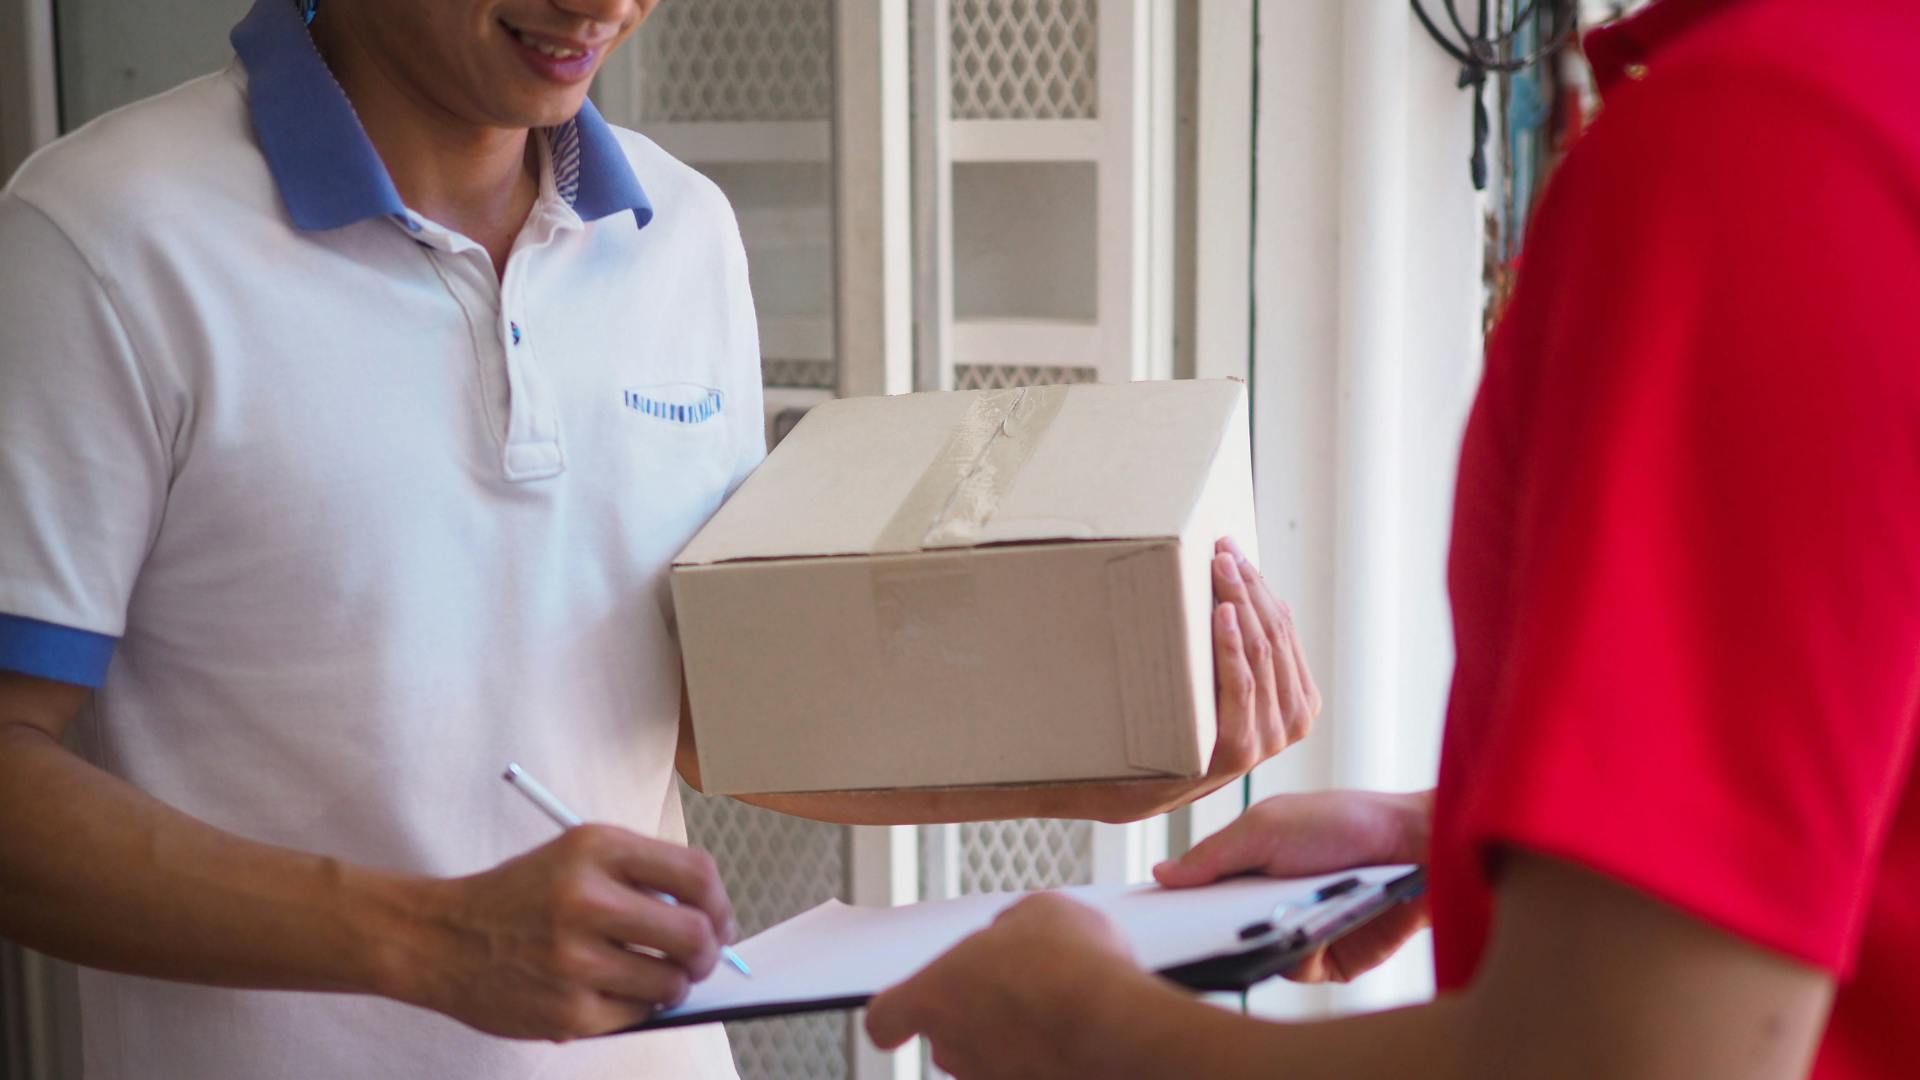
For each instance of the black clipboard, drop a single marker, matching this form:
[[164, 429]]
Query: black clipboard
[[1272, 949]]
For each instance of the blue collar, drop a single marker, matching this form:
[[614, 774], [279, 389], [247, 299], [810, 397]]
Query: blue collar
[[327, 170]]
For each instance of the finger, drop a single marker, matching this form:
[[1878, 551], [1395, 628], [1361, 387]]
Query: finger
[[1290, 692], [637, 978], [893, 1016], [681, 934], [1277, 613], [1239, 847], [590, 1013], [1314, 701], [1233, 675], [1264, 730], [686, 874], [1366, 948]]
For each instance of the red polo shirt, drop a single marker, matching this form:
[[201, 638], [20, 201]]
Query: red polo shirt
[[1686, 551]]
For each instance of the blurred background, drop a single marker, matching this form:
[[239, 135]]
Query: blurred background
[[941, 194]]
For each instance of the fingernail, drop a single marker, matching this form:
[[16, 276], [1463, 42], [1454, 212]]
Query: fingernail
[[1165, 864], [1246, 566], [1234, 546], [1231, 567]]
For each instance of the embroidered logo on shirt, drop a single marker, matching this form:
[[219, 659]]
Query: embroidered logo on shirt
[[683, 403]]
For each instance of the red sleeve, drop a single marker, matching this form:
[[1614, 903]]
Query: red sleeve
[[1714, 423]]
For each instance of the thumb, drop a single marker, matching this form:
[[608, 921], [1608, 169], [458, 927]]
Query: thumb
[[1233, 850], [888, 1022]]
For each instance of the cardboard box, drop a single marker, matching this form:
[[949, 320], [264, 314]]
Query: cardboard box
[[956, 589]]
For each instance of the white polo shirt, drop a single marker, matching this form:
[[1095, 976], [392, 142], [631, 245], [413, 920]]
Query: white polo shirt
[[337, 523]]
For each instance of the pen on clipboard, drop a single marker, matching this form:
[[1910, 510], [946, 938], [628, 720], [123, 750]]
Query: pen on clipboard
[[550, 805]]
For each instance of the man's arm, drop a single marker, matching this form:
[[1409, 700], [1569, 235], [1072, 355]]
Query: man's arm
[[1266, 701], [1584, 978], [97, 872]]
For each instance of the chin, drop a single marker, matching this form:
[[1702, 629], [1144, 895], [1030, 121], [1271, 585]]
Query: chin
[[544, 110]]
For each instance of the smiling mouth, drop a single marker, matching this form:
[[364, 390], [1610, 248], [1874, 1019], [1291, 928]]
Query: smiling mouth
[[545, 48]]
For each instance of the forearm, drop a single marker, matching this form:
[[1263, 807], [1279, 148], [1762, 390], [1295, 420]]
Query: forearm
[[97, 872], [1182, 1036]]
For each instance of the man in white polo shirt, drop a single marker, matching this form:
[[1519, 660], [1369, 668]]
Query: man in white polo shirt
[[354, 399]]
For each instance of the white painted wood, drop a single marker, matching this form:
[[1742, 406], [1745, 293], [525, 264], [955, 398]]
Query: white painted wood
[[1125, 854], [1046, 342], [933, 195], [796, 337], [1028, 140], [1372, 302], [29, 84], [885, 871], [744, 142], [1121, 265], [1367, 257], [941, 856], [1157, 149], [873, 249], [1223, 191], [1296, 335], [873, 337]]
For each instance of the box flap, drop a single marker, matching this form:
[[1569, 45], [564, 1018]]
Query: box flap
[[960, 469]]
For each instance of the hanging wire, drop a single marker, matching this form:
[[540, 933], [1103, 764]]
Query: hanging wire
[[1488, 49]]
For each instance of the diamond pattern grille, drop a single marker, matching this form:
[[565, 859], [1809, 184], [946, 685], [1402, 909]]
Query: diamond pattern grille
[[798, 374], [775, 867], [1002, 856], [1025, 59], [735, 60], [1002, 376]]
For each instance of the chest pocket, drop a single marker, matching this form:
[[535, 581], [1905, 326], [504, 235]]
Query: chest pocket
[[678, 440], [686, 404]]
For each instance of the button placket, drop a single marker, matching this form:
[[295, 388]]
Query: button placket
[[520, 406], [534, 446]]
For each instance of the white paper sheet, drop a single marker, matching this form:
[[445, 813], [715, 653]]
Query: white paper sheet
[[837, 951]]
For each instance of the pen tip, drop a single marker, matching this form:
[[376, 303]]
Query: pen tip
[[510, 770]]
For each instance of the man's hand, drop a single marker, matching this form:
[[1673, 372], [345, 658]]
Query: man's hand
[[1030, 996], [1318, 833], [568, 940]]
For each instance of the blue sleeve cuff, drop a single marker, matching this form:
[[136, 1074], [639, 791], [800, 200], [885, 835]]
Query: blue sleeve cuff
[[49, 651]]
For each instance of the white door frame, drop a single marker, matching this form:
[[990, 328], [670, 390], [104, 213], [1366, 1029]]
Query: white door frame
[[29, 81]]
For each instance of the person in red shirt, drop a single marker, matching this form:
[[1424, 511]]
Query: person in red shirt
[[1676, 832]]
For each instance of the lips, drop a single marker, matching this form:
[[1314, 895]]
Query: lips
[[546, 47], [557, 59]]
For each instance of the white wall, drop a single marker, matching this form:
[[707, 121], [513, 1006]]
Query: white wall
[[1367, 298]]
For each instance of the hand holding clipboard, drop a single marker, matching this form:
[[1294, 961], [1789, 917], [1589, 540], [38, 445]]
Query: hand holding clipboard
[[838, 957]]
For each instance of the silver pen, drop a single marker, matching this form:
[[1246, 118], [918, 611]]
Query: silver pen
[[550, 805]]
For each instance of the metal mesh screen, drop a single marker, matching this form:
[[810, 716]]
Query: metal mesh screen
[[735, 60], [798, 374], [1002, 376], [1001, 856], [775, 867], [1025, 59]]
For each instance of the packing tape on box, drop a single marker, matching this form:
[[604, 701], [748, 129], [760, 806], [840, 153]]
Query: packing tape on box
[[959, 492]]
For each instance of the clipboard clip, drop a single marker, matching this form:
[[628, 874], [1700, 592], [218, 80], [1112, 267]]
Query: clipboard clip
[[1295, 926]]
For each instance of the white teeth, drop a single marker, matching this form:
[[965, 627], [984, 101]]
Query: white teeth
[[555, 51]]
